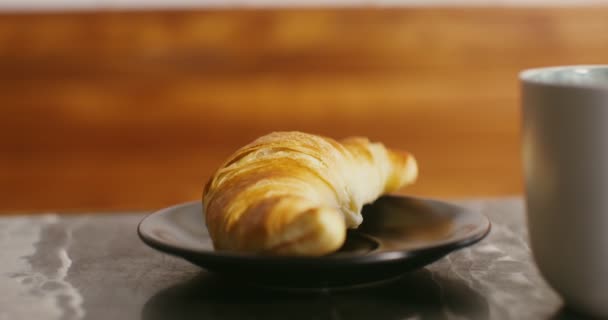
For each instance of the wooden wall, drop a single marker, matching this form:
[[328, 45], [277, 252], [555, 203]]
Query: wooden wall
[[134, 110]]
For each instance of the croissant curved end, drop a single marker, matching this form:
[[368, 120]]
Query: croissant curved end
[[326, 233], [405, 168], [410, 170]]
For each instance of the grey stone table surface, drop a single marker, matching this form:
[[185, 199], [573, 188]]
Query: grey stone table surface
[[93, 266]]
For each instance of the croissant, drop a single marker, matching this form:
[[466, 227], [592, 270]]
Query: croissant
[[293, 193]]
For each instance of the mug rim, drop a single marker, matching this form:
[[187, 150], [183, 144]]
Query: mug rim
[[529, 77]]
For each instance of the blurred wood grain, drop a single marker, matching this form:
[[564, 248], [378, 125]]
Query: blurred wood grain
[[134, 110]]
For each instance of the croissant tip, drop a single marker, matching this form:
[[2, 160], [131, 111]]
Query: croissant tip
[[411, 169], [326, 236]]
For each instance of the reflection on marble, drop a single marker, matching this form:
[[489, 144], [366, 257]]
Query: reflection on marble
[[415, 295], [35, 263], [500, 267], [95, 267]]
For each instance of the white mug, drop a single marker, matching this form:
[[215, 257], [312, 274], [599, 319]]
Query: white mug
[[565, 156]]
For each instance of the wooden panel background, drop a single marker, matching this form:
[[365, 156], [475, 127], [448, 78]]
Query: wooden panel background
[[133, 110]]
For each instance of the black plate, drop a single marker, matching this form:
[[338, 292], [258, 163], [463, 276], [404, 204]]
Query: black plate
[[398, 234]]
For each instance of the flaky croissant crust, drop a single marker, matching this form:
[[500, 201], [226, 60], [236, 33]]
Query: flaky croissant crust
[[293, 193]]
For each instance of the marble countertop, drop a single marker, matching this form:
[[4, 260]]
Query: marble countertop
[[93, 266]]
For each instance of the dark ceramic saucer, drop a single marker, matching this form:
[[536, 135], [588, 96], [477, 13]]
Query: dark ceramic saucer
[[399, 234]]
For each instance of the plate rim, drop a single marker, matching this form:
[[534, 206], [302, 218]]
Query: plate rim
[[373, 257]]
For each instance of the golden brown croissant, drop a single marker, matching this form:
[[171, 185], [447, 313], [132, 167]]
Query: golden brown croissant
[[292, 193]]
